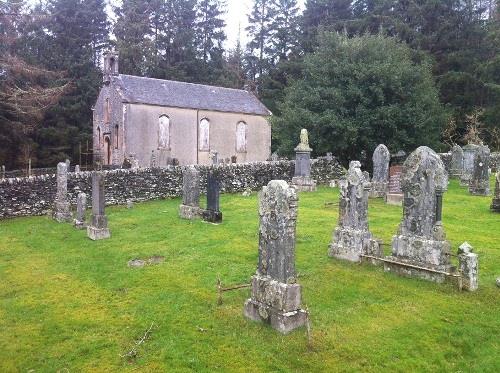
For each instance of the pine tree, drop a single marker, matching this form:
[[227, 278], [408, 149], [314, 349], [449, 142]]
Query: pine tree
[[285, 29]]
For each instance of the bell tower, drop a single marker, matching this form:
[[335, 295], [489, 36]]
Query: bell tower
[[110, 66]]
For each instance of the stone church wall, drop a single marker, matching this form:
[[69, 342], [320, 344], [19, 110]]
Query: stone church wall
[[35, 195]]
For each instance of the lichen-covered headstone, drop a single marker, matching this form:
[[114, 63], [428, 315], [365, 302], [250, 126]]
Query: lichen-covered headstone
[[421, 241], [190, 207], [470, 151], [276, 295], [62, 211], [352, 238], [457, 161], [468, 267], [302, 180], [98, 227], [495, 204], [81, 207], [479, 183], [212, 213], [380, 179]]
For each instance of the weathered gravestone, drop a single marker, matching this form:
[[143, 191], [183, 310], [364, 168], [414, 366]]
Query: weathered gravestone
[[212, 213], [81, 207], [470, 151], [190, 207], [215, 157], [61, 204], [495, 204], [381, 158], [479, 183], [77, 168], [153, 163], [98, 227], [302, 180], [468, 266], [68, 165], [420, 243], [394, 195], [457, 161], [276, 295], [352, 238]]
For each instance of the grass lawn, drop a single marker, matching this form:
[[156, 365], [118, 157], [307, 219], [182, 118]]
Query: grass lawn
[[70, 304]]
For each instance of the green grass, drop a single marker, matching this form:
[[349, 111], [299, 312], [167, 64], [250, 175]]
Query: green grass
[[70, 304]]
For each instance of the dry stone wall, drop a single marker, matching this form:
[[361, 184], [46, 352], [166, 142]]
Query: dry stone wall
[[35, 195]]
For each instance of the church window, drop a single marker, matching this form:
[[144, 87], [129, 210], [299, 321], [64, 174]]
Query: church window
[[99, 136], [116, 136], [106, 111], [204, 135], [164, 132], [241, 137]]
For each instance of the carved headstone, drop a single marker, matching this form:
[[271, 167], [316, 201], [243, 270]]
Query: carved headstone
[[420, 243], [394, 195], [276, 295], [302, 180], [479, 183], [215, 157], [468, 266], [68, 165], [212, 213], [81, 207], [469, 151], [98, 227], [190, 207], [457, 161], [381, 158], [274, 157], [77, 168], [352, 238], [495, 204], [329, 156], [61, 204]]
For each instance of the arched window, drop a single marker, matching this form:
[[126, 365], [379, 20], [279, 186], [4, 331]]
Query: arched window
[[241, 137], [164, 132], [99, 136], [204, 135], [116, 136], [106, 111]]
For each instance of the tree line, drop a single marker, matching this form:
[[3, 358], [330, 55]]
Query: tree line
[[352, 72]]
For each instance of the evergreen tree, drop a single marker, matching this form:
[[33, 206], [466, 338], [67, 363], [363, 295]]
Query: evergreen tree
[[285, 29]]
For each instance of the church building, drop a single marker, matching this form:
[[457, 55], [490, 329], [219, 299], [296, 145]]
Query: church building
[[160, 122]]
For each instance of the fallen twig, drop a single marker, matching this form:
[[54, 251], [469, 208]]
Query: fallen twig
[[133, 351]]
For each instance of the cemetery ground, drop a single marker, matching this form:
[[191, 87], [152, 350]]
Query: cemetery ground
[[70, 304]]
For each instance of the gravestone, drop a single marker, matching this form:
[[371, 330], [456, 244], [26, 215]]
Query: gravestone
[[457, 161], [302, 180], [276, 295], [274, 157], [3, 172], [420, 247], [212, 213], [81, 206], [394, 195], [215, 157], [381, 158], [61, 204], [470, 151], [352, 238], [98, 227], [153, 163], [68, 165], [468, 267], [329, 156], [495, 204], [190, 207], [130, 204], [134, 162], [479, 183]]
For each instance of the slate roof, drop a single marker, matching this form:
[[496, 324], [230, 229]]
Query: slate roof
[[135, 89]]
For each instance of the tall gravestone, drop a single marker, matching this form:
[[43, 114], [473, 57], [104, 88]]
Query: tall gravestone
[[394, 195], [190, 207], [98, 227], [61, 204], [421, 243], [212, 214], [276, 295], [81, 206], [479, 183], [470, 151], [468, 267], [352, 238], [457, 161], [302, 180], [495, 204], [381, 158]]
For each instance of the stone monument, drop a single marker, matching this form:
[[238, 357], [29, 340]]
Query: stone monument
[[381, 158], [394, 195], [469, 151], [61, 204], [479, 182], [276, 295], [457, 161], [212, 213], [352, 238], [302, 180], [468, 267], [98, 227], [190, 207], [495, 204], [81, 206], [77, 168], [420, 248]]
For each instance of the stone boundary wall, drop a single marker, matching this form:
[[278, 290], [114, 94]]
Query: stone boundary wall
[[35, 195]]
